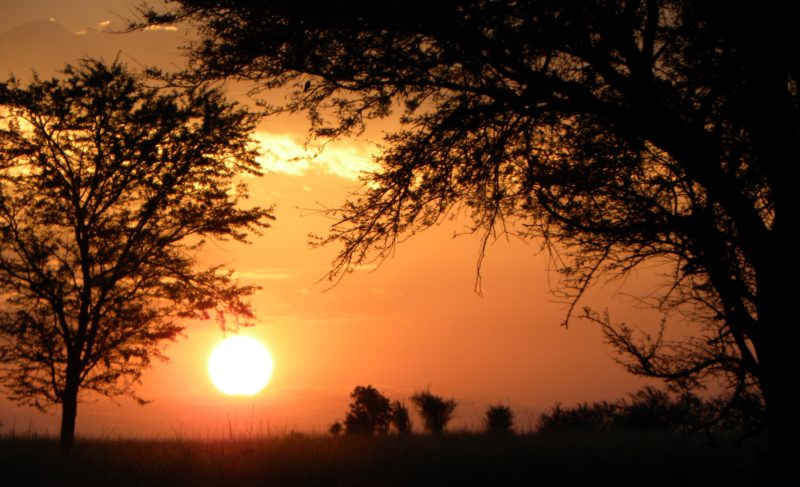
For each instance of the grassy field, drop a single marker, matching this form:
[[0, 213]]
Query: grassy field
[[454, 459]]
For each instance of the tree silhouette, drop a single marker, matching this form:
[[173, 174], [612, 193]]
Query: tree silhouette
[[436, 411], [400, 418], [336, 428], [370, 412], [499, 419], [654, 409], [108, 189], [584, 417], [625, 133], [648, 409]]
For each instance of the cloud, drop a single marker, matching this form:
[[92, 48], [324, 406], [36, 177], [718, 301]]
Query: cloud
[[285, 153], [104, 24], [168, 28], [266, 274]]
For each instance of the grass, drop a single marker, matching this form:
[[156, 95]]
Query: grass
[[455, 459]]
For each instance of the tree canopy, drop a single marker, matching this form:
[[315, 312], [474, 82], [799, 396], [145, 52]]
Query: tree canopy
[[370, 412], [619, 133], [108, 190]]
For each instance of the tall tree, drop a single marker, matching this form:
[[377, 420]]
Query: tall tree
[[626, 132], [108, 189]]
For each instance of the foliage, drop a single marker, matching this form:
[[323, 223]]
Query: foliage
[[583, 417], [370, 412], [436, 411], [336, 428], [651, 409], [499, 419], [108, 190], [400, 418], [620, 134]]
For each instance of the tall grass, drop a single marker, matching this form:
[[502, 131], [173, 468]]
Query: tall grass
[[454, 459]]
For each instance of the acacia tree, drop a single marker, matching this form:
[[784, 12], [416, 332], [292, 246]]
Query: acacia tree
[[625, 132], [108, 189]]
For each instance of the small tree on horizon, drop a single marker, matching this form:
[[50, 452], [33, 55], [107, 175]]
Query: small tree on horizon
[[436, 411], [370, 412]]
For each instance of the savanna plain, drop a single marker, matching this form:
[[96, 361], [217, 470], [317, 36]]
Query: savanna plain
[[458, 458]]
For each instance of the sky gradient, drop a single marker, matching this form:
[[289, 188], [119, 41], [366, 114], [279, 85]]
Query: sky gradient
[[414, 322]]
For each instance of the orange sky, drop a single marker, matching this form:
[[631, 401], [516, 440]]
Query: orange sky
[[412, 323]]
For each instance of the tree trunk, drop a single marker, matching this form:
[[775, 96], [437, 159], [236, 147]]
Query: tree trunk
[[69, 411], [783, 420], [780, 369]]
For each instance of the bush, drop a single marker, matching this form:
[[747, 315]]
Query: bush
[[400, 418], [499, 419], [436, 412], [652, 409]]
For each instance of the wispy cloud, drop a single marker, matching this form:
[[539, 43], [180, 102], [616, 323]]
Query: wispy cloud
[[286, 154], [266, 274], [168, 28]]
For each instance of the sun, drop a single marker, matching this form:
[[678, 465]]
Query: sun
[[240, 365]]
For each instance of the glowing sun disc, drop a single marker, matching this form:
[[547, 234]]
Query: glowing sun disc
[[240, 366]]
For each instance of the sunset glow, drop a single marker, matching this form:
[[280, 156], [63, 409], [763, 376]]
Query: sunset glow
[[415, 243], [240, 366], [413, 321]]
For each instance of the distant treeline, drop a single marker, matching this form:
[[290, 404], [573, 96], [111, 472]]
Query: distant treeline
[[649, 409], [655, 409]]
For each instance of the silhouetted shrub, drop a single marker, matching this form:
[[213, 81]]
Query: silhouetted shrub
[[655, 409], [583, 417], [647, 409], [499, 419], [400, 418], [336, 428], [436, 412]]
